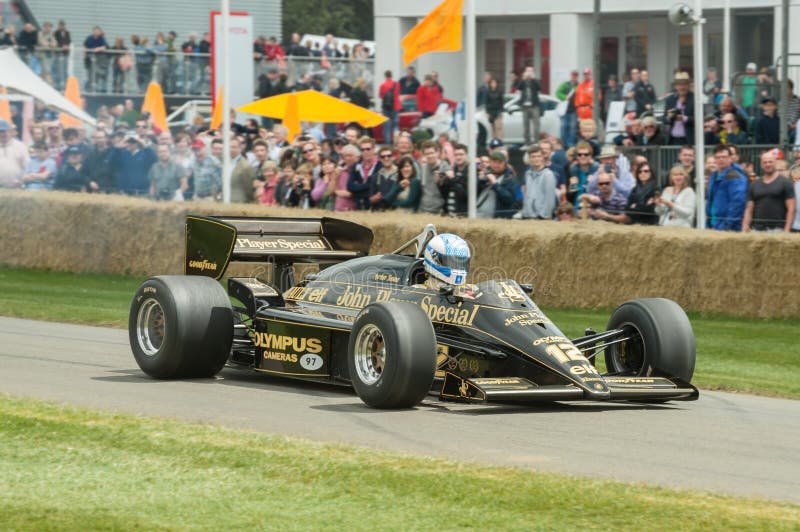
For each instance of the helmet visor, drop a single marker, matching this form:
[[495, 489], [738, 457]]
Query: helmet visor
[[454, 262]]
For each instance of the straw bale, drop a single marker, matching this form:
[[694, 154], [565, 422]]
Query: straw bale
[[577, 265]]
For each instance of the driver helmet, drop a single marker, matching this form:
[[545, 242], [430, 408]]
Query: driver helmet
[[447, 259]]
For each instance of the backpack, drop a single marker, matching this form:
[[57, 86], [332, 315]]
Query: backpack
[[388, 99]]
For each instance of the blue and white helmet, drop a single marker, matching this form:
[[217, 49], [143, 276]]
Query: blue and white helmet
[[447, 259]]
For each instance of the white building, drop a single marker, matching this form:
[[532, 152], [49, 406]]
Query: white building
[[123, 18], [557, 37]]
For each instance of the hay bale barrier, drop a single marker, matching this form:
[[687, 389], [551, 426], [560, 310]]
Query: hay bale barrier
[[572, 265]]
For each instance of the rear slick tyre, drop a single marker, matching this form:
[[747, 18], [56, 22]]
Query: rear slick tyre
[[392, 355], [180, 327]]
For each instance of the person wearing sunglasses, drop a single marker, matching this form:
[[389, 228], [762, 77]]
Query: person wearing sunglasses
[[607, 204], [731, 132], [363, 172], [580, 172], [642, 199], [383, 188]]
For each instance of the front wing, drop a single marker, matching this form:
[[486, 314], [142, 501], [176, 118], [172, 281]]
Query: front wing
[[520, 390]]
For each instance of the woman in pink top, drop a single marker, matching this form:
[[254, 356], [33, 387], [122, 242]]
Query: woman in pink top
[[324, 193], [344, 199]]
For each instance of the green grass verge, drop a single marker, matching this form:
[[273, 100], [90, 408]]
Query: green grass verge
[[735, 354], [71, 469]]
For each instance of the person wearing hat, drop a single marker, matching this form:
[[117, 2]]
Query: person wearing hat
[[500, 184], [132, 165], [768, 125], [14, 157], [73, 176], [617, 165], [679, 114], [651, 133], [749, 88]]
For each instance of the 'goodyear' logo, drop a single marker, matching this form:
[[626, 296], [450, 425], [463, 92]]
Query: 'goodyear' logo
[[287, 343], [203, 265]]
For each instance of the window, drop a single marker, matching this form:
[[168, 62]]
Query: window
[[714, 49], [609, 57], [495, 50], [635, 52], [544, 71], [686, 53], [523, 54]]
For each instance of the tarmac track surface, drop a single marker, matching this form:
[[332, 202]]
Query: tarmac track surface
[[725, 443]]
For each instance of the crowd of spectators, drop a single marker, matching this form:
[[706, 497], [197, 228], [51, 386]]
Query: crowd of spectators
[[348, 171], [577, 174], [747, 115]]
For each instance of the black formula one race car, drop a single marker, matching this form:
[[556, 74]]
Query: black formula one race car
[[368, 321]]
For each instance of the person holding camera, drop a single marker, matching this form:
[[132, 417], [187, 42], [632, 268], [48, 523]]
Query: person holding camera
[[607, 204], [679, 116], [435, 173]]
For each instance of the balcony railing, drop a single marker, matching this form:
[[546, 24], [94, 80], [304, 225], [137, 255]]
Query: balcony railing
[[128, 72]]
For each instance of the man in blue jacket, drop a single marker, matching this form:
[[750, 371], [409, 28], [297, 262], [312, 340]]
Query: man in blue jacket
[[727, 193]]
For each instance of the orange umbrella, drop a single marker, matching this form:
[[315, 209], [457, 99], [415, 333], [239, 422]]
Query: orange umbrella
[[154, 104], [5, 108], [216, 114], [311, 106], [72, 92]]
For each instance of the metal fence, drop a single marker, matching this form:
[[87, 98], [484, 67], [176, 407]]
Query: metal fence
[[128, 72], [663, 158]]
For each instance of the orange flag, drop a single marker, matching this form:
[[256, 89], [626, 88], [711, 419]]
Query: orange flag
[[216, 114], [440, 31], [72, 92], [5, 107], [154, 104]]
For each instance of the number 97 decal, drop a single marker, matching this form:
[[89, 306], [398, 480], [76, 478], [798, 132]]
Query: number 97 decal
[[311, 362]]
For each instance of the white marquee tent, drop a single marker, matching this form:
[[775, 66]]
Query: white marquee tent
[[15, 74]]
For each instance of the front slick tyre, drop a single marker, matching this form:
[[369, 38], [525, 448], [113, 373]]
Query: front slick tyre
[[661, 340], [392, 355], [180, 326]]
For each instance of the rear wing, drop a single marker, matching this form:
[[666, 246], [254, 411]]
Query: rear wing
[[212, 243]]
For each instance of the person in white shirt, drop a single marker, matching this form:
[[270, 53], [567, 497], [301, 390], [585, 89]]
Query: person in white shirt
[[677, 204], [14, 158]]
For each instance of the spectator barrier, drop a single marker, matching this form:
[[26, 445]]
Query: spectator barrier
[[128, 71], [572, 265]]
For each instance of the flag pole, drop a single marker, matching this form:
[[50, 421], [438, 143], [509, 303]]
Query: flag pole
[[469, 119], [226, 116]]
